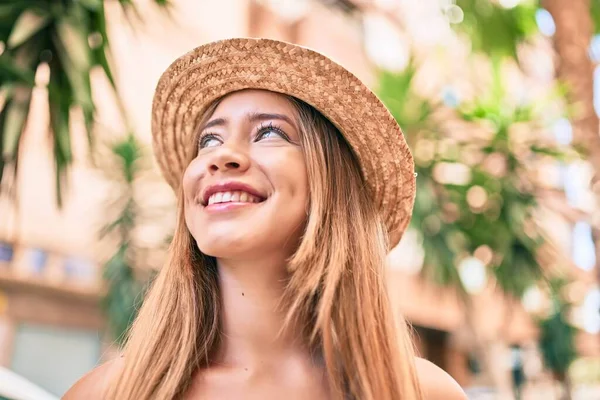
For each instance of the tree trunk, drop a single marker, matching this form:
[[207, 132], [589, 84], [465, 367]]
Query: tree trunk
[[565, 383], [568, 388], [574, 30]]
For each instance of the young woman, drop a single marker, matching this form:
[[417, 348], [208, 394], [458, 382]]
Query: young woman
[[293, 181]]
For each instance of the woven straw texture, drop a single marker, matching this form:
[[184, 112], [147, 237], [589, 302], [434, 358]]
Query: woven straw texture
[[196, 79]]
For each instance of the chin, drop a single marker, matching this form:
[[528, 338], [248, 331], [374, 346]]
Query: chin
[[248, 237], [227, 247], [247, 244], [229, 240]]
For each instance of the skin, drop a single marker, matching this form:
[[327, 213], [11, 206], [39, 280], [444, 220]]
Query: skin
[[251, 244]]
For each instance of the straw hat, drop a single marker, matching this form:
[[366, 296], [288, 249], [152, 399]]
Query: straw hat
[[213, 70]]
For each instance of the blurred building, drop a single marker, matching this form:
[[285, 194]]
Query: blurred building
[[51, 325]]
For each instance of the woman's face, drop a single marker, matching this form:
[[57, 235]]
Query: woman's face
[[246, 192]]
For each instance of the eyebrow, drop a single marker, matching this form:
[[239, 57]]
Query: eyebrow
[[251, 117]]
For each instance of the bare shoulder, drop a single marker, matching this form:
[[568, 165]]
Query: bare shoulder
[[94, 384], [436, 383]]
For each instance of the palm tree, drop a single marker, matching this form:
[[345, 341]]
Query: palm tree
[[126, 281], [574, 30], [69, 37], [487, 218], [498, 31]]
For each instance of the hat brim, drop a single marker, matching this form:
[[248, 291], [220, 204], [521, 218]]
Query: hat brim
[[209, 72]]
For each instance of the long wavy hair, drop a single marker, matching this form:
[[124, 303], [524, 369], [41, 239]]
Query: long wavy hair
[[335, 292]]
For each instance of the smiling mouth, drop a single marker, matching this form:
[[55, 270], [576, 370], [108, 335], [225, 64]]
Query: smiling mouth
[[236, 196]]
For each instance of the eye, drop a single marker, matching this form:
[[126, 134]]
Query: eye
[[270, 131], [209, 140]]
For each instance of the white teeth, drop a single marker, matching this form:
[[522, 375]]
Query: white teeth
[[237, 197]]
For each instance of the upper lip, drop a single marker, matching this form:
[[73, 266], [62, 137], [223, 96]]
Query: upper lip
[[229, 187]]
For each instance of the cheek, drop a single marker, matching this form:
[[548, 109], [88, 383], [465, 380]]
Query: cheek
[[290, 216], [191, 179], [288, 175]]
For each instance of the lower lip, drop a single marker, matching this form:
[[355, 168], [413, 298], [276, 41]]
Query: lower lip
[[224, 207]]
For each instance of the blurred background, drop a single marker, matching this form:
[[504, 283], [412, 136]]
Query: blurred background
[[499, 100]]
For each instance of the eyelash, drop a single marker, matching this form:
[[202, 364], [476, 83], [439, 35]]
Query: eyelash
[[266, 128], [261, 129], [204, 137]]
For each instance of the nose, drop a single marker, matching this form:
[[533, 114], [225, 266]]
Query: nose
[[228, 158]]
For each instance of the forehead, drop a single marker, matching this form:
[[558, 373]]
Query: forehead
[[251, 100]]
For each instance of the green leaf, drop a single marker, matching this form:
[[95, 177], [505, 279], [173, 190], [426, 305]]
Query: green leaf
[[73, 33], [28, 24], [16, 110], [11, 72], [595, 13], [60, 100], [548, 151], [410, 110], [71, 43], [17, 101], [129, 153], [110, 228], [129, 7], [2, 161], [495, 30], [75, 57], [557, 335], [92, 5], [8, 11], [100, 54]]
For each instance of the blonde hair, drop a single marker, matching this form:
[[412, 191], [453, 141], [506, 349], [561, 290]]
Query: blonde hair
[[335, 292]]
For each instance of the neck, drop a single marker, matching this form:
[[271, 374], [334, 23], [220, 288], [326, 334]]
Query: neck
[[252, 316]]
